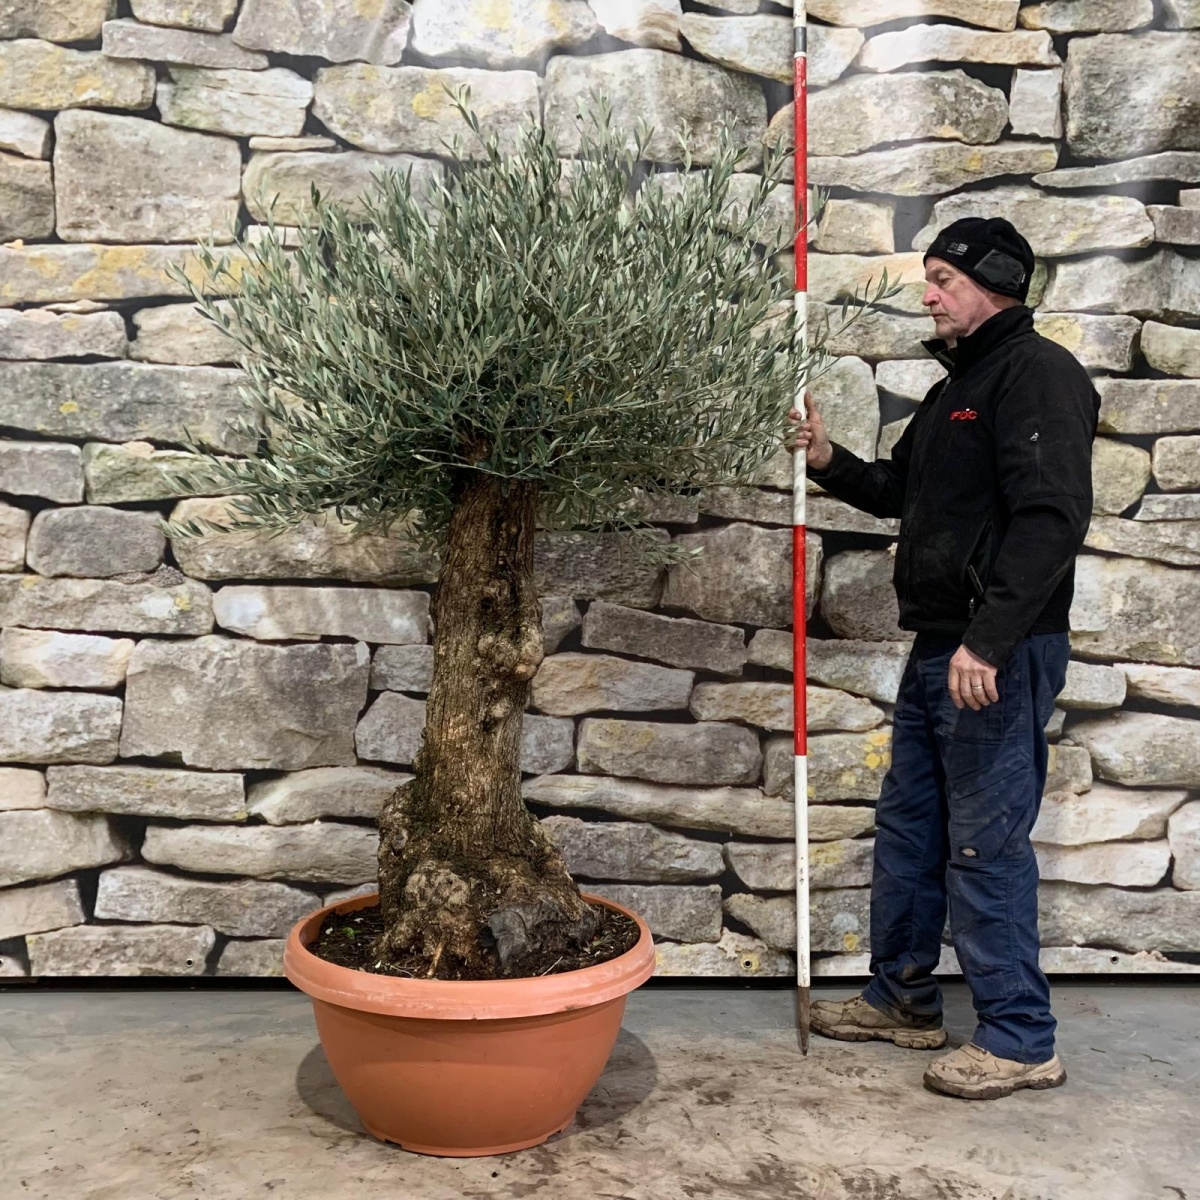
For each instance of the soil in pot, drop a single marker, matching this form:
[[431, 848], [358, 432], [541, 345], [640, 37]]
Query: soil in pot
[[348, 940]]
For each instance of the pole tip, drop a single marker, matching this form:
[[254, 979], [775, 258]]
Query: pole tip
[[804, 1017]]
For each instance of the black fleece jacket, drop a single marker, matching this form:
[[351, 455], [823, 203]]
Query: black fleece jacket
[[992, 483]]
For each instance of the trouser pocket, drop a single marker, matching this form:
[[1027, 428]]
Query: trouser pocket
[[992, 809]]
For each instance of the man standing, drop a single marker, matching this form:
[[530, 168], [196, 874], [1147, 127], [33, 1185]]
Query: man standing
[[992, 484]]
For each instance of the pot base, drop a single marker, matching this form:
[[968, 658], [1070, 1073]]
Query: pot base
[[477, 1152]]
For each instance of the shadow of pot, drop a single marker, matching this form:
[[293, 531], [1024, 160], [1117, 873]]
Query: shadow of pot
[[467, 1068]]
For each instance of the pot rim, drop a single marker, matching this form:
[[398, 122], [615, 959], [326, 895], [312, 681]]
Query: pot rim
[[462, 1000]]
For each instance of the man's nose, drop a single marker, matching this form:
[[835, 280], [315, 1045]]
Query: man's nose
[[930, 297]]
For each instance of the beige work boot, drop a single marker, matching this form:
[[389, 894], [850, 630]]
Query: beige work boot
[[975, 1074], [855, 1020]]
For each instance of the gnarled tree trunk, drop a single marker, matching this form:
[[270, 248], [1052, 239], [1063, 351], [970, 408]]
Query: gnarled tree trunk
[[470, 886]]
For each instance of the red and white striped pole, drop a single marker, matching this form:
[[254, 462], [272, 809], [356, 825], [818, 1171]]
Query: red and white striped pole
[[799, 522]]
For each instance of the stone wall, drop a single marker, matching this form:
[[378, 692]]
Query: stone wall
[[196, 736]]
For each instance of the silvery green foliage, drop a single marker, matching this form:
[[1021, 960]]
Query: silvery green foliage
[[582, 325]]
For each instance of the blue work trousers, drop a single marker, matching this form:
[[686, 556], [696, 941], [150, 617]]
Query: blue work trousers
[[953, 824]]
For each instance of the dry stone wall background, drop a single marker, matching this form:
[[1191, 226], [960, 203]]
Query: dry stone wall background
[[195, 737]]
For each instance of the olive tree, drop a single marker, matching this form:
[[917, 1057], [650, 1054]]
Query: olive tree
[[529, 344]]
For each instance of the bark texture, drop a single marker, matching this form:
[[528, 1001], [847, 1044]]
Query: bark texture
[[470, 886]]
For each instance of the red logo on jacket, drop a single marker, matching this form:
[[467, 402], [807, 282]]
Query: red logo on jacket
[[964, 414]]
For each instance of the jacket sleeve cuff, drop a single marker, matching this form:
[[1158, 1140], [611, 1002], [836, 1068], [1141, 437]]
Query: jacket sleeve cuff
[[993, 649], [840, 454]]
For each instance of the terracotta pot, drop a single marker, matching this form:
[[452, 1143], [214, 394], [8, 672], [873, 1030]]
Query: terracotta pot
[[465, 1068]]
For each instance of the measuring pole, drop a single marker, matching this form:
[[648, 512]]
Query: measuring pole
[[799, 522]]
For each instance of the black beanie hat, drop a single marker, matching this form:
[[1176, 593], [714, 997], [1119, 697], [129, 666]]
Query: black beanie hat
[[990, 251]]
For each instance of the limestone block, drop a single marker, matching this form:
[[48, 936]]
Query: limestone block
[[55, 20], [1070, 769], [841, 766], [753, 45], [684, 913], [871, 669], [122, 401], [319, 548], [1080, 960], [128, 790], [280, 185], [58, 727], [733, 956], [1170, 349], [858, 598], [132, 39], [1135, 609], [43, 274], [1180, 226], [14, 529], [1184, 833], [1096, 16], [39, 843], [866, 110], [991, 14], [839, 919], [1092, 686], [1055, 225], [769, 706], [326, 29], [890, 434], [771, 866], [180, 333], [651, 23], [1182, 14], [632, 852], [207, 16], [707, 753], [35, 658], [827, 513], [527, 33], [1126, 864], [677, 641], [1179, 165], [1149, 405], [164, 607], [569, 684], [391, 730], [855, 227], [21, 787], [596, 566], [36, 333], [1166, 685], [952, 43], [308, 141], [39, 908], [1104, 814], [323, 852], [324, 792], [757, 505], [830, 53], [402, 669], [1142, 749], [385, 109], [931, 168], [93, 541], [25, 134], [41, 76], [560, 618], [837, 277], [1078, 914], [310, 613], [227, 705], [253, 958], [1169, 508], [247, 908], [665, 89], [1175, 542], [1120, 474], [270, 103], [26, 198], [743, 575], [908, 379], [1133, 95], [115, 950], [131, 472], [870, 334], [1035, 103], [1177, 463], [734, 810]]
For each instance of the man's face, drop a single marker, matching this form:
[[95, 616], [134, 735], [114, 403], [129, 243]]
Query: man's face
[[957, 304]]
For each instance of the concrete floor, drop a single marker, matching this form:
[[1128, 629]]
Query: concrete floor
[[225, 1095]]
